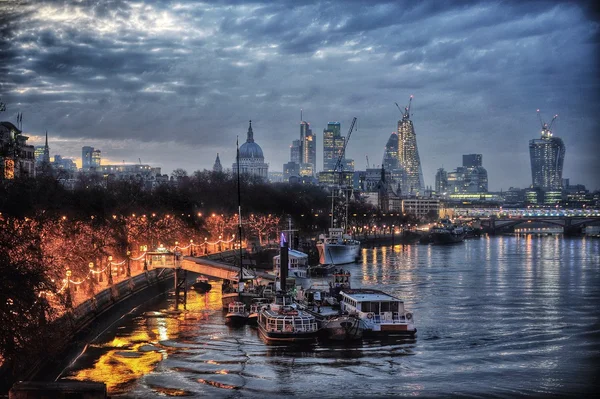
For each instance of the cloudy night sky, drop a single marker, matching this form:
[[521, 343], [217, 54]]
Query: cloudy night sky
[[174, 83]]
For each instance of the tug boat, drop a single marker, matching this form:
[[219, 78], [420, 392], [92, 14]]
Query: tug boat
[[236, 313], [283, 322], [446, 232], [381, 313]]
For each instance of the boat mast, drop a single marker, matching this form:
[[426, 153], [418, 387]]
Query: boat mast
[[239, 198]]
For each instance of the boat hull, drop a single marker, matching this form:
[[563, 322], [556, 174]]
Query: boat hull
[[201, 287], [236, 318], [446, 238], [287, 337], [337, 254], [344, 328], [229, 297]]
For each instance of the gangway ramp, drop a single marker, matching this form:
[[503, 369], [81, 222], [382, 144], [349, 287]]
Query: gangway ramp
[[216, 269]]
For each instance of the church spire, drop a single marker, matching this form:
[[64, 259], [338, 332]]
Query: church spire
[[46, 158], [250, 138], [217, 167]]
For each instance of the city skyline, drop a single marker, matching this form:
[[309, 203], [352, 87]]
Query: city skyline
[[174, 84]]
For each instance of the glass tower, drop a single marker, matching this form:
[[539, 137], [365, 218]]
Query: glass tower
[[408, 156], [333, 145], [547, 158]]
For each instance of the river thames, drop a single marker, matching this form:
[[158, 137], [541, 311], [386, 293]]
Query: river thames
[[496, 317]]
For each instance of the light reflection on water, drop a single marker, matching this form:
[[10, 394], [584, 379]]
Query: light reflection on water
[[500, 316]]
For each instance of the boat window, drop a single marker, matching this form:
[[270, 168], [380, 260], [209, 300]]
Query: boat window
[[370, 307], [385, 306], [393, 306]]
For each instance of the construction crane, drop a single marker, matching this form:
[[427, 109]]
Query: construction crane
[[406, 112], [545, 126], [338, 165]]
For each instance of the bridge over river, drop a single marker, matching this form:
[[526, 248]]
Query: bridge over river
[[572, 221]]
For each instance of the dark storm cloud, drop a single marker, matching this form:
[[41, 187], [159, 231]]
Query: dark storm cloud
[[190, 75]]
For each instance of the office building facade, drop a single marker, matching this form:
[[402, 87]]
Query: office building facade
[[547, 158]]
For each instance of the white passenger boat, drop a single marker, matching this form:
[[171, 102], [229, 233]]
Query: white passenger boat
[[236, 313], [381, 313], [337, 248]]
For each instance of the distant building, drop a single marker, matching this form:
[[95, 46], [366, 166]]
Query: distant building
[[17, 158], [252, 160], [65, 164], [296, 151], [291, 169], [421, 207], [547, 158], [333, 146], [308, 159], [39, 153], [469, 178], [441, 181], [129, 171], [472, 160], [408, 156], [276, 177], [91, 158], [217, 167], [86, 157]]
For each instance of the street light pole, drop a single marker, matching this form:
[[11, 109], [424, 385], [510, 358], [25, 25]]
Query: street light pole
[[68, 300], [91, 265], [110, 279], [128, 263], [191, 245]]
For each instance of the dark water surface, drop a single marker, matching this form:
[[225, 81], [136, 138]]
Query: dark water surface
[[496, 317]]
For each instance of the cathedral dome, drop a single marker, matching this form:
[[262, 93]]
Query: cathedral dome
[[250, 149]]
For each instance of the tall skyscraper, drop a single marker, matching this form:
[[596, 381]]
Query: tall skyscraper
[[547, 158], [296, 152], [390, 155], [408, 155], [333, 146], [308, 159]]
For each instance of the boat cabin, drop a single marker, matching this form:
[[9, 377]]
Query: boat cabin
[[373, 304], [297, 264]]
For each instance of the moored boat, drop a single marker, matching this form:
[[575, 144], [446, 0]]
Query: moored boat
[[236, 313], [255, 307], [381, 313], [282, 321], [297, 267], [201, 285], [337, 248], [446, 232]]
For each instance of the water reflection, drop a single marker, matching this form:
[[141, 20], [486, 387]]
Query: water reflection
[[494, 316]]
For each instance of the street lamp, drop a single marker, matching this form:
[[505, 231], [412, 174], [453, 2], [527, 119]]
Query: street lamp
[[69, 302], [191, 245], [205, 246], [110, 279], [220, 248], [128, 263]]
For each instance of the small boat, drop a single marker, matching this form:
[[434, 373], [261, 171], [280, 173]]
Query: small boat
[[446, 232], [381, 313], [255, 308], [236, 313], [201, 285], [281, 321], [343, 328]]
